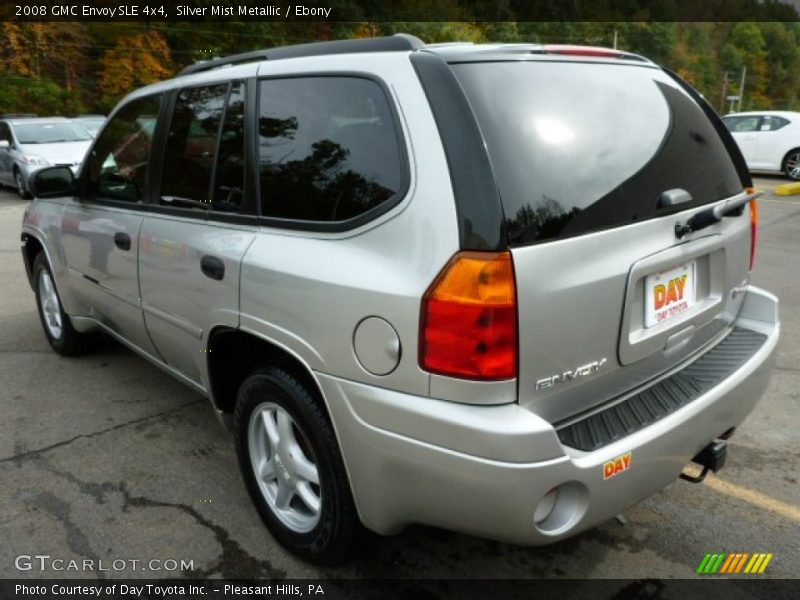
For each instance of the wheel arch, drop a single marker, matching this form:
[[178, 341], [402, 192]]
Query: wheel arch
[[232, 354], [31, 247], [786, 156]]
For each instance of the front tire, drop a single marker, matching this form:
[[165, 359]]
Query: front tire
[[57, 326], [292, 467], [20, 183], [791, 164]]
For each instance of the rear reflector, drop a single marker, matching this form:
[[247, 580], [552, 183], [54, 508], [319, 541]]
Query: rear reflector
[[753, 232], [468, 325]]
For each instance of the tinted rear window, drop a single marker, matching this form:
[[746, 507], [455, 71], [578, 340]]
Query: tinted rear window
[[579, 147], [328, 149]]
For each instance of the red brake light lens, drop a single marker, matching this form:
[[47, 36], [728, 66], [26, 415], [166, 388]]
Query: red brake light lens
[[571, 50], [469, 318]]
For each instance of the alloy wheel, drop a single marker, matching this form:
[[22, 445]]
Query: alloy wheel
[[793, 165], [284, 466]]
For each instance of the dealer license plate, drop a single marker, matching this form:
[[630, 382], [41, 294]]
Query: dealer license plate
[[669, 294]]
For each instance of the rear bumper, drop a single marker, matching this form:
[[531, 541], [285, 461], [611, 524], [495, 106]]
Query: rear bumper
[[483, 469]]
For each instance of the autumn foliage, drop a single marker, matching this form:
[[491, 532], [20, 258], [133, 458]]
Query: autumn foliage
[[58, 68]]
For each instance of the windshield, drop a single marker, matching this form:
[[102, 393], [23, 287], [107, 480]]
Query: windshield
[[579, 147], [92, 124], [51, 133]]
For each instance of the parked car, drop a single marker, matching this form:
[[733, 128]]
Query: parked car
[[29, 144], [769, 141], [498, 289], [92, 123]]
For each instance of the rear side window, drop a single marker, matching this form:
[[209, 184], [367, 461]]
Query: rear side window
[[771, 123], [228, 193], [579, 147], [742, 124], [191, 147], [328, 149], [118, 164], [204, 154]]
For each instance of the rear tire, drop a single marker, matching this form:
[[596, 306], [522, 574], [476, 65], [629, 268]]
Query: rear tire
[[293, 469], [791, 164], [56, 324]]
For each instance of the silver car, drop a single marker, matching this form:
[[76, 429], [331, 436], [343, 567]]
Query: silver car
[[500, 289], [92, 123], [30, 144]]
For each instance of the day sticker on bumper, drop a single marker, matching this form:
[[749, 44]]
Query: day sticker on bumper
[[617, 465]]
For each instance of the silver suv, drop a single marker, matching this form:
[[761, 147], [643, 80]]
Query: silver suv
[[501, 289]]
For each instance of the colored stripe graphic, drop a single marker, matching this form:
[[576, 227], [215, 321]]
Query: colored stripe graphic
[[741, 562], [728, 562], [733, 562], [719, 562], [764, 564]]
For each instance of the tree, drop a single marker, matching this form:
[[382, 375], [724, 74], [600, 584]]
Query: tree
[[136, 60]]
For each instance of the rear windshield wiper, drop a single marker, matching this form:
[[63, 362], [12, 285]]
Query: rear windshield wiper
[[715, 214]]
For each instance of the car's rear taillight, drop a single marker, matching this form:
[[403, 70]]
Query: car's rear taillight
[[753, 232], [468, 326]]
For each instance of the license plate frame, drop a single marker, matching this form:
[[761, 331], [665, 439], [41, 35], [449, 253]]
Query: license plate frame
[[669, 294]]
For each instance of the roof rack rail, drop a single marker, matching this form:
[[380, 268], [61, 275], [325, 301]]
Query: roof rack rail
[[18, 116], [398, 42]]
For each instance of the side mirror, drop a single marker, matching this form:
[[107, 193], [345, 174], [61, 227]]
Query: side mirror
[[4, 145], [53, 182]]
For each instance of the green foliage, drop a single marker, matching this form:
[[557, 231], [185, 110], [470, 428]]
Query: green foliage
[[40, 96]]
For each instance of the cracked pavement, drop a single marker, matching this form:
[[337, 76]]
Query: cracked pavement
[[105, 457]]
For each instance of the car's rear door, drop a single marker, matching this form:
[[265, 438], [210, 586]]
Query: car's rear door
[[199, 226], [772, 143], [596, 161]]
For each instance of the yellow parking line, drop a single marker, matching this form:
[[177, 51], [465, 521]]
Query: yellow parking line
[[787, 189], [790, 511]]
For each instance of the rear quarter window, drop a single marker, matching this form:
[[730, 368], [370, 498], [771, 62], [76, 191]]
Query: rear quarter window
[[330, 154], [578, 147]]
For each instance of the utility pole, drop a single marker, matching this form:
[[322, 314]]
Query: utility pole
[[615, 39], [741, 87], [724, 95]]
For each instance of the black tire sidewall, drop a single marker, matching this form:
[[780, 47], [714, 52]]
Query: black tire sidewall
[[19, 182], [324, 544]]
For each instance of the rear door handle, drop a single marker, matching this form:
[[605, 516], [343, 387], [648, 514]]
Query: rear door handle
[[212, 267], [122, 241]]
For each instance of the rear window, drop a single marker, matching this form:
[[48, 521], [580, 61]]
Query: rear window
[[579, 147]]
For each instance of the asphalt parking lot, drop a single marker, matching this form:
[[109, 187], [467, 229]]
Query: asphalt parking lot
[[105, 457]]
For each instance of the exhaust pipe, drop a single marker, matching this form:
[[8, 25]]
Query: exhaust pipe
[[711, 458]]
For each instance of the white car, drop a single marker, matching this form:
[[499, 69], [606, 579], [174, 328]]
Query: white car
[[769, 140]]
